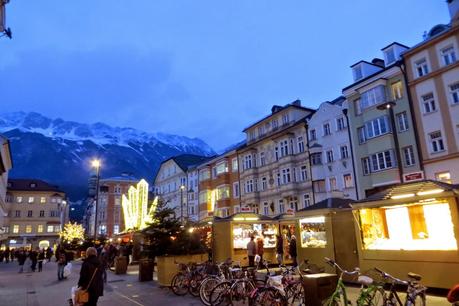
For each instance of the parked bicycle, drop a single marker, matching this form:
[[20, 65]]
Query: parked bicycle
[[188, 279]]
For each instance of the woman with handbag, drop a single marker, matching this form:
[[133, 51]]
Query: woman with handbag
[[90, 284]]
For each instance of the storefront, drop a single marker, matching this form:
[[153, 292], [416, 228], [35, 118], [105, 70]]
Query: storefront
[[411, 227], [325, 230], [287, 225], [232, 234]]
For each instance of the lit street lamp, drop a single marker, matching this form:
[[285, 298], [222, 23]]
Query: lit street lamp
[[390, 106], [96, 164]]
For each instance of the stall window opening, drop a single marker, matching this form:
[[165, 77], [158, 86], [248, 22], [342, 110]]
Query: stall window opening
[[313, 234]]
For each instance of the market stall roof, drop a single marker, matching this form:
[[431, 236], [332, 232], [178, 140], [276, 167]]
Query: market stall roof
[[410, 192], [284, 216], [244, 217], [330, 203]]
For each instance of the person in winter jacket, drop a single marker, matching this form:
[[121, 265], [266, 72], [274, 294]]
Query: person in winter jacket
[[92, 269], [251, 251], [280, 249], [41, 258], [292, 250], [21, 260], [61, 263]]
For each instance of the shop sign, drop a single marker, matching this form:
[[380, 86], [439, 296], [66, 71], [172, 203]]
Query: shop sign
[[246, 209], [290, 212], [415, 176]]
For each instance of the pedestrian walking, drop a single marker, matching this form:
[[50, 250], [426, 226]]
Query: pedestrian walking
[[7, 254], [292, 250], [91, 277], [1, 255], [33, 258], [41, 258], [260, 248], [21, 260], [251, 251], [280, 249], [61, 262], [104, 259]]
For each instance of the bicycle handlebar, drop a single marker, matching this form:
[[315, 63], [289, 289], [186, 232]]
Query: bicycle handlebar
[[333, 263], [394, 279]]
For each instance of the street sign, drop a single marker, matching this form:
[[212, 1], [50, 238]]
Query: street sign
[[246, 209], [415, 176]]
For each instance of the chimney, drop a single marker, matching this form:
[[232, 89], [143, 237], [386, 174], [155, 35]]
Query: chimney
[[297, 102], [453, 7], [276, 108], [378, 62]]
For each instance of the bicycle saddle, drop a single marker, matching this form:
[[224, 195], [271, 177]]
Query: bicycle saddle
[[365, 280], [414, 276]]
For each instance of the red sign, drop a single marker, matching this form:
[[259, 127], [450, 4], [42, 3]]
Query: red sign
[[290, 212], [415, 176], [210, 214], [246, 209]]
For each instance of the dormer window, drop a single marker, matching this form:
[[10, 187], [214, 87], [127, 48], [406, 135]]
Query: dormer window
[[285, 119], [389, 56], [357, 71]]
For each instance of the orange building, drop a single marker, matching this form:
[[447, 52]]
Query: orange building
[[111, 219], [219, 191]]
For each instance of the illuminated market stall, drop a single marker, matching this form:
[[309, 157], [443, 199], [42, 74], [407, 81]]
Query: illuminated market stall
[[287, 226], [325, 229], [411, 228], [232, 234]]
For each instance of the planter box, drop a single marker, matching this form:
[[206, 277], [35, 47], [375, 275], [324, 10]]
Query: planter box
[[167, 267], [146, 267], [120, 265]]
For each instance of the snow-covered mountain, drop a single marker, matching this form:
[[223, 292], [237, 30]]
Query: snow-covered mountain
[[60, 151]]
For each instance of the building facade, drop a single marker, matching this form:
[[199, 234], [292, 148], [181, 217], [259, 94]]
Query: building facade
[[193, 193], [6, 164], [219, 190], [110, 212], [171, 181], [37, 212], [432, 70], [330, 152], [275, 174], [382, 132]]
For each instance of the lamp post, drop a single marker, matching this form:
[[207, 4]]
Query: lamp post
[[182, 187], [96, 165], [390, 106]]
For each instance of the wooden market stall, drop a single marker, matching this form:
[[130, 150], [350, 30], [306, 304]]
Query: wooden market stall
[[411, 227], [326, 229]]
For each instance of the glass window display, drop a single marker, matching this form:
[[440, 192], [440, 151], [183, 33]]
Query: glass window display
[[242, 233], [313, 233], [416, 226]]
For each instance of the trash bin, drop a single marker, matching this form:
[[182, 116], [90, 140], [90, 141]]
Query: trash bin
[[146, 267], [318, 287], [120, 265]]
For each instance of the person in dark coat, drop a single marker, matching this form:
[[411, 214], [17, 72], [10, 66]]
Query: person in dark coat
[[21, 260], [41, 258], [61, 263], [88, 269], [33, 258], [280, 249], [7, 254], [292, 250]]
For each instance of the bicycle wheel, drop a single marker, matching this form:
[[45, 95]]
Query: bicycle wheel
[[195, 283], [335, 300], [295, 294], [240, 292], [378, 298], [270, 296], [221, 294], [206, 287], [179, 284]]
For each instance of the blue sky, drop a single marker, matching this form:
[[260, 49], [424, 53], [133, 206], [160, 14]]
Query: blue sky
[[202, 69]]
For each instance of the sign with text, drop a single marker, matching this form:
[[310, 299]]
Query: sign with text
[[246, 209], [415, 176]]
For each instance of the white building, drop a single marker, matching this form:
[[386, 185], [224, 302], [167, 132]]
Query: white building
[[330, 152], [5, 165]]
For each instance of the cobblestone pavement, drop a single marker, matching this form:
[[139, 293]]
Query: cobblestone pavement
[[43, 289]]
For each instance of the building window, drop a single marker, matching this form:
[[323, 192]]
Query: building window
[[223, 192], [421, 67], [454, 91], [40, 228], [265, 209], [303, 173], [285, 119], [50, 228], [340, 124], [330, 158], [344, 152], [29, 214], [28, 228], [42, 200], [204, 175], [275, 124], [17, 213], [382, 161], [306, 200], [286, 178], [262, 159], [15, 229], [57, 228], [448, 55], [234, 164], [332, 182], [284, 148], [357, 70], [436, 142], [372, 97], [249, 186], [312, 135], [116, 229], [443, 177], [316, 158], [348, 183], [428, 102], [222, 168], [203, 197], [31, 200], [300, 144], [248, 162], [402, 120], [236, 190], [361, 133], [264, 183], [408, 152], [326, 128], [389, 56], [396, 89], [319, 186], [376, 127], [281, 206], [261, 131], [42, 213]]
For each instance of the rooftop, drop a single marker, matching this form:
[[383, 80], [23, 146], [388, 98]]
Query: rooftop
[[31, 185]]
